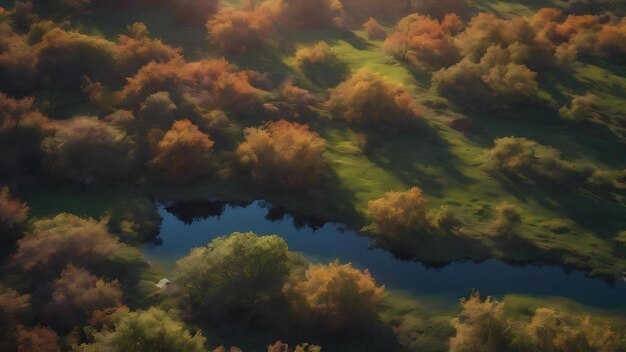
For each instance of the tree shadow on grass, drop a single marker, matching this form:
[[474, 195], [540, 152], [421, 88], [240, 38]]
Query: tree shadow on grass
[[592, 208], [580, 140], [264, 60], [325, 76], [421, 158]]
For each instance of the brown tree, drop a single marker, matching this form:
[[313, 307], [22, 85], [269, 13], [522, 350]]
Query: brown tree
[[370, 99], [137, 49], [183, 154], [64, 239], [425, 41], [66, 58], [12, 211], [235, 31], [374, 30], [76, 294], [88, 150], [283, 154], [37, 339], [336, 296]]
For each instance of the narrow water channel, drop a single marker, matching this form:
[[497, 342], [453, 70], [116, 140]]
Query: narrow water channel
[[329, 242]]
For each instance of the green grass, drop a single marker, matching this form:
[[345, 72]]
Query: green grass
[[444, 162]]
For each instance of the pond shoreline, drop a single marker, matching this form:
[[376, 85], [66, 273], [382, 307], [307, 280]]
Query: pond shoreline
[[333, 241]]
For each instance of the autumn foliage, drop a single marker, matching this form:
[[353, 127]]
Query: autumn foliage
[[87, 150], [155, 328], [306, 13], [425, 41], [12, 211], [582, 107], [208, 83], [183, 154], [374, 30], [76, 294], [65, 58], [37, 339], [235, 31], [137, 49], [521, 157], [336, 296], [398, 214], [481, 326], [318, 54], [367, 98], [284, 154], [65, 239]]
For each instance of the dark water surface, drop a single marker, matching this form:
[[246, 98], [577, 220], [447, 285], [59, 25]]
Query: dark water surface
[[195, 225]]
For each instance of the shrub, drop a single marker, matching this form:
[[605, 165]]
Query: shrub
[[398, 214], [37, 339], [319, 54], [550, 330], [608, 179], [487, 86], [370, 99], [374, 30], [38, 30], [508, 217], [574, 36], [66, 58], [512, 155], [240, 273], [486, 30], [138, 49], [157, 111], [522, 157], [444, 220], [209, 84], [13, 111], [422, 40], [298, 97], [12, 307], [23, 15], [183, 154], [18, 61], [306, 13], [76, 294], [582, 107], [87, 150], [12, 211], [235, 31], [154, 329], [336, 296], [283, 154], [481, 326], [283, 347], [64, 239], [217, 124]]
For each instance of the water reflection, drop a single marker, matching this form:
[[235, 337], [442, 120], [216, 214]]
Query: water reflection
[[327, 242]]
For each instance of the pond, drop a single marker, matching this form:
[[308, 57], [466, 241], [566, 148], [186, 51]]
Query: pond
[[196, 223]]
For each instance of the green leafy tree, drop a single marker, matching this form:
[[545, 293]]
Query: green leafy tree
[[146, 331], [240, 271]]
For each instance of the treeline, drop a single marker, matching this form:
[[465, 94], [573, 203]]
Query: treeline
[[73, 291]]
